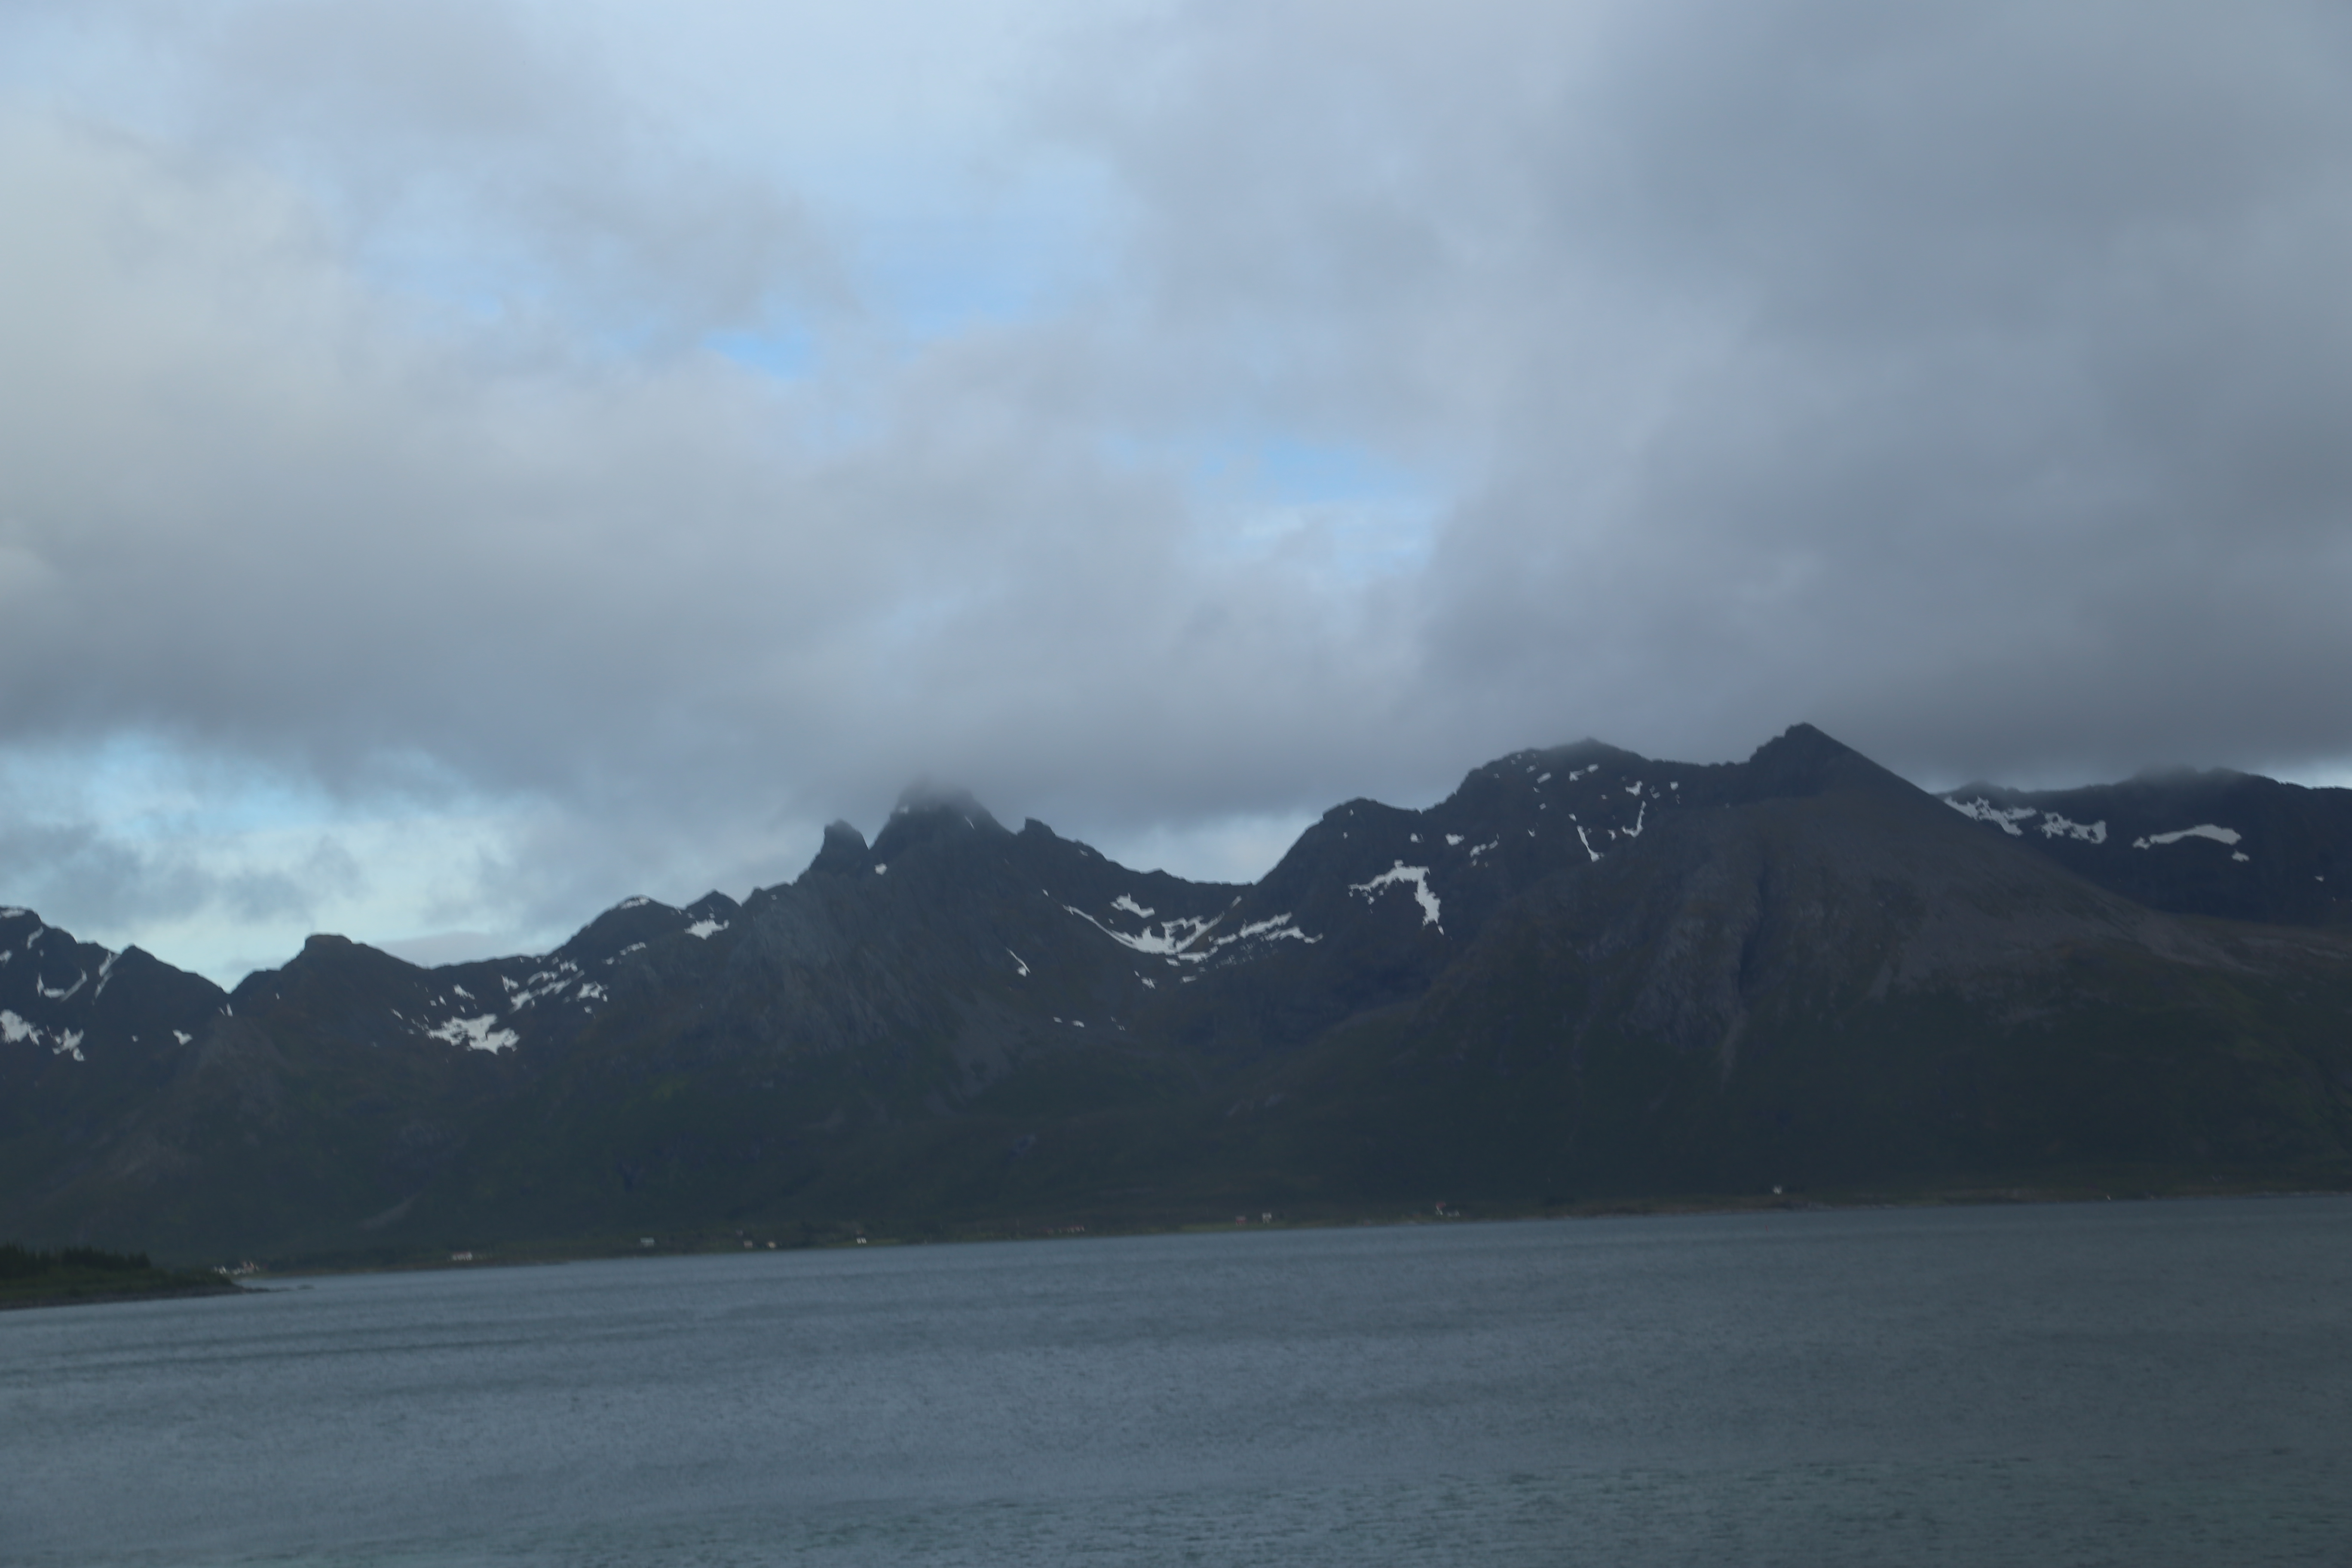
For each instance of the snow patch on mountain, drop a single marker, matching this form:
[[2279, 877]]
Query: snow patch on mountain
[[1272, 929], [477, 1034], [2053, 825], [1418, 876], [1983, 810], [2203, 830], [1168, 941], [706, 928], [544, 983], [17, 1031]]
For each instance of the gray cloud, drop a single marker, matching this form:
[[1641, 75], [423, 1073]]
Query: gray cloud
[[1967, 381], [82, 878]]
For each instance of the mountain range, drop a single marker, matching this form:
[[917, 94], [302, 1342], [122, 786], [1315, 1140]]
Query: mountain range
[[1585, 975]]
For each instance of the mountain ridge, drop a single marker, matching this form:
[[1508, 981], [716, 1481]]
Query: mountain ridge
[[1671, 976]]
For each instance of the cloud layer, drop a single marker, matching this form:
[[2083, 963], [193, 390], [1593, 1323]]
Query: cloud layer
[[493, 414]]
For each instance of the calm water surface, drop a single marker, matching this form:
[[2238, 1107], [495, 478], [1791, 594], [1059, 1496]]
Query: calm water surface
[[2126, 1384]]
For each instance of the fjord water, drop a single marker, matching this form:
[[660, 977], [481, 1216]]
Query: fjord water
[[2141, 1384]]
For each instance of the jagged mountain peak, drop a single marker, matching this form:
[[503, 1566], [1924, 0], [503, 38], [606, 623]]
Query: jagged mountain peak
[[925, 813], [843, 854], [327, 962], [329, 940], [631, 922], [1801, 748]]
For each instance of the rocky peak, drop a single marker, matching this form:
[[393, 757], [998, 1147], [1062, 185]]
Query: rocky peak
[[844, 853]]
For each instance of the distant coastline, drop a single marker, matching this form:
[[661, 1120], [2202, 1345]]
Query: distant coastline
[[728, 1242], [86, 1276]]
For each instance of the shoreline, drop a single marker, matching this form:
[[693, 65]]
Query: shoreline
[[106, 1298], [712, 1244]]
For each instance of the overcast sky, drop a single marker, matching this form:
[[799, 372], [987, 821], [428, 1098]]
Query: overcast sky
[[466, 461]]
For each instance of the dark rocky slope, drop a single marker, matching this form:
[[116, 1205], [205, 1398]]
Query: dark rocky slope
[[1843, 987]]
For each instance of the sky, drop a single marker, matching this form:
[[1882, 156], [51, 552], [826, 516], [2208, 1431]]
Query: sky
[[464, 462]]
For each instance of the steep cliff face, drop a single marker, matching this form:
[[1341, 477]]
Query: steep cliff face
[[1584, 971]]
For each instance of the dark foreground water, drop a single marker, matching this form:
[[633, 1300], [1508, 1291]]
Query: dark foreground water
[[2141, 1385]]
